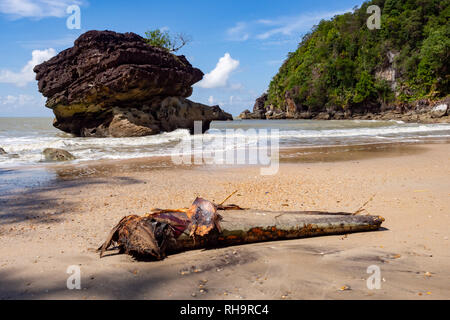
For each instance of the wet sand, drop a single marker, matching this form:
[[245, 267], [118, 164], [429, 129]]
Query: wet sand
[[51, 218]]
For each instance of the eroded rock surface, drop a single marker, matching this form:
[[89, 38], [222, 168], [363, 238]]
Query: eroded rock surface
[[114, 84], [53, 154], [423, 111]]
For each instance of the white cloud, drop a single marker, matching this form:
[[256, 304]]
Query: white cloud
[[36, 8], [218, 78], [26, 75], [9, 99], [211, 100], [238, 32], [284, 26], [289, 25], [20, 100]]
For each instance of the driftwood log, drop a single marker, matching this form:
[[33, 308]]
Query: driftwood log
[[251, 226], [166, 231]]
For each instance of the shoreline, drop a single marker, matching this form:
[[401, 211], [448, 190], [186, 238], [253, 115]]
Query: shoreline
[[61, 223], [19, 178], [408, 117], [25, 151], [285, 154]]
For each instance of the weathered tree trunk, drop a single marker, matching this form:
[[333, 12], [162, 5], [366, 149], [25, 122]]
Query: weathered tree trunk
[[251, 226], [168, 231]]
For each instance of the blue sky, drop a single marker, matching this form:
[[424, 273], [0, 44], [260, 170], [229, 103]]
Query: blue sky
[[239, 45]]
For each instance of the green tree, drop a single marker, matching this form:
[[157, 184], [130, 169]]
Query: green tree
[[435, 59], [166, 41], [339, 62], [365, 88]]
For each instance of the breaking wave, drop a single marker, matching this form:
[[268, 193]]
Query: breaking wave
[[25, 139]]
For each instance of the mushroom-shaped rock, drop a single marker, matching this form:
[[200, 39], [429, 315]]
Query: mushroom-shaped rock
[[116, 85]]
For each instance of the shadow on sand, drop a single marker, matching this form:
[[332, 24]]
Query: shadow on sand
[[26, 196]]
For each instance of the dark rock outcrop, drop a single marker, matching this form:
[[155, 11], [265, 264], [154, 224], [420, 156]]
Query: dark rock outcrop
[[2, 151], [244, 114], [114, 84], [424, 111], [52, 154], [259, 109]]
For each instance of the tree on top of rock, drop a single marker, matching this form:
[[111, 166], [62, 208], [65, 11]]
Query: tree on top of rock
[[166, 41]]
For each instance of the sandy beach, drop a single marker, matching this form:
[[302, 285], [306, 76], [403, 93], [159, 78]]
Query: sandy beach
[[45, 227]]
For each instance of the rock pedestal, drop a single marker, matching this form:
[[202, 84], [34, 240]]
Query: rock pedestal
[[114, 84]]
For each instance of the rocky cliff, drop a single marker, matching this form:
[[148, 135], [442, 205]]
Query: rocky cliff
[[422, 111], [342, 69], [114, 84]]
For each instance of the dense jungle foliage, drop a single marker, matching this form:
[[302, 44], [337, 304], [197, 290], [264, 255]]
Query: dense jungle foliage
[[338, 64]]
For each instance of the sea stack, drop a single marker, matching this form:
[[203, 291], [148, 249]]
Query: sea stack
[[116, 85]]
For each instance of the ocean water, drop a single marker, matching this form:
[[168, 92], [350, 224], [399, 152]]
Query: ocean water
[[26, 138]]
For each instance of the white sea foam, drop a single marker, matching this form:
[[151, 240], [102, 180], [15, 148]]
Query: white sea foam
[[28, 140]]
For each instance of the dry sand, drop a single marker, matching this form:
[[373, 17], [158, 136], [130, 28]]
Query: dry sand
[[44, 229]]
